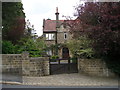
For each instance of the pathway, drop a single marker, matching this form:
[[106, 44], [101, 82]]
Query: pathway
[[74, 79]]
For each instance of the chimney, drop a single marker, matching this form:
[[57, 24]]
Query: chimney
[[43, 23], [57, 14], [57, 18]]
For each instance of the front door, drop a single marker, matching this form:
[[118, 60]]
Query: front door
[[65, 53]]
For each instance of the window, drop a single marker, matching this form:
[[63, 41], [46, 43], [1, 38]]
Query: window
[[65, 35], [50, 36], [49, 52]]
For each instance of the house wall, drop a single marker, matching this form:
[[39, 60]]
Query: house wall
[[48, 42], [95, 67], [60, 35], [60, 38], [22, 64]]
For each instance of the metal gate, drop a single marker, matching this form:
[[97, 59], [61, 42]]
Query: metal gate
[[60, 66]]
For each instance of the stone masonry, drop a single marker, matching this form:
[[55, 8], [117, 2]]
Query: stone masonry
[[22, 64], [95, 67], [12, 63]]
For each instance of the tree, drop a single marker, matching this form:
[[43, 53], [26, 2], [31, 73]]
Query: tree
[[34, 47], [29, 33], [13, 21], [100, 22]]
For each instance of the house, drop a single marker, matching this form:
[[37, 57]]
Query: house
[[56, 32]]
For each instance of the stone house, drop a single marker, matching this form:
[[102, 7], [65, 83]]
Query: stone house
[[57, 32]]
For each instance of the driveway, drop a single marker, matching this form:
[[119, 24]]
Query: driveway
[[74, 79]]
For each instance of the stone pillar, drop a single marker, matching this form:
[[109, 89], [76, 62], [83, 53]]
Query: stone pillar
[[25, 64]]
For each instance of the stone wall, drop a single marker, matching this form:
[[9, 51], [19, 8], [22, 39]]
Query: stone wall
[[95, 67], [35, 66], [22, 64], [12, 63]]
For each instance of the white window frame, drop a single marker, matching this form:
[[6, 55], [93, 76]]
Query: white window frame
[[50, 36], [49, 52]]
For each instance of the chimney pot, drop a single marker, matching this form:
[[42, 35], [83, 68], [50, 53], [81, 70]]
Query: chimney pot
[[56, 9]]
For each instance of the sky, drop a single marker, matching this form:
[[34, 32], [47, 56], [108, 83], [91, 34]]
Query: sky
[[37, 10]]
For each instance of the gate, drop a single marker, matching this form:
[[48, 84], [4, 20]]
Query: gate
[[60, 66]]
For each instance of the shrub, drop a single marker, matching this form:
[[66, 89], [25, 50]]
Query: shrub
[[86, 53], [73, 59], [8, 47], [35, 48], [53, 58], [81, 47]]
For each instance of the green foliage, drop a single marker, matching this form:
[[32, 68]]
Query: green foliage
[[100, 23], [34, 47], [16, 38], [81, 47], [35, 53], [9, 48], [73, 59], [86, 53], [53, 58], [13, 21], [113, 64], [54, 47], [58, 46]]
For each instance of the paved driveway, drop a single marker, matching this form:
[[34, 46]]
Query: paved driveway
[[74, 79]]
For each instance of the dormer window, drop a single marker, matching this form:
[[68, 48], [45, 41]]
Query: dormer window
[[65, 35]]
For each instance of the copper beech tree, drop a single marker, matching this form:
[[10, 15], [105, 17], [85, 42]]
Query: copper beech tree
[[100, 22]]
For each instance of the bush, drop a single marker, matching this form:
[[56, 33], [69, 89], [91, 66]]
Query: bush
[[9, 48], [73, 59], [53, 58], [86, 53], [35, 48], [81, 47], [35, 53]]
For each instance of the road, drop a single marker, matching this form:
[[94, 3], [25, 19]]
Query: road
[[35, 86]]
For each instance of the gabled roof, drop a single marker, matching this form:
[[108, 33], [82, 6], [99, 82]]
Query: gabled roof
[[50, 25]]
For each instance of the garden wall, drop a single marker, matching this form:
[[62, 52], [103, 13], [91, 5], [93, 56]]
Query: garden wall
[[12, 63], [22, 64], [95, 67]]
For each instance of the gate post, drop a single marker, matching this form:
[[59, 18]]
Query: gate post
[[50, 65], [69, 64], [58, 61]]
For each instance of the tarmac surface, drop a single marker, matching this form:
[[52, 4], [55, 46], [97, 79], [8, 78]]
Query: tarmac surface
[[62, 80], [34, 86]]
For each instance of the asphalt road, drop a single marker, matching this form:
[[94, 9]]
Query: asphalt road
[[35, 86]]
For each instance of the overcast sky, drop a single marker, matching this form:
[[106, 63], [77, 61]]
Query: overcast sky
[[37, 10]]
